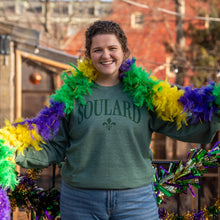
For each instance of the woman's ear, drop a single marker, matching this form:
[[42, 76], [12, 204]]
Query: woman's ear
[[126, 55]]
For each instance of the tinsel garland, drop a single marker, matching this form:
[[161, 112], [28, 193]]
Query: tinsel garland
[[41, 204], [207, 213], [179, 177], [44, 204]]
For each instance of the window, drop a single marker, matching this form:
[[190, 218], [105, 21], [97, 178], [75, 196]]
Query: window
[[137, 20], [91, 10]]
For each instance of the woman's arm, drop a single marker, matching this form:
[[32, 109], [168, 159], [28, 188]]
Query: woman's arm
[[52, 151], [200, 132]]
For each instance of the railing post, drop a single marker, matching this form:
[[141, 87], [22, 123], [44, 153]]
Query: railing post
[[199, 194], [178, 204], [54, 176]]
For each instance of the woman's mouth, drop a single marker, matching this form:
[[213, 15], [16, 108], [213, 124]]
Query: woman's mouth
[[106, 62]]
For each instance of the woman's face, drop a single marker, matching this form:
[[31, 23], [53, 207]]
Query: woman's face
[[107, 56]]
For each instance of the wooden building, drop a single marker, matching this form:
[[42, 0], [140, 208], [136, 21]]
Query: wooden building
[[29, 73]]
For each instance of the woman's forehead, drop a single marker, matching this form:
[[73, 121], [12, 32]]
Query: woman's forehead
[[105, 39]]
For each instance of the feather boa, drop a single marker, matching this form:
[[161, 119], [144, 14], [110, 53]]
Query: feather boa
[[5, 209], [169, 102], [182, 106]]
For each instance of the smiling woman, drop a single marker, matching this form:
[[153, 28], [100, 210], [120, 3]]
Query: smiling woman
[[107, 56], [107, 49], [100, 125]]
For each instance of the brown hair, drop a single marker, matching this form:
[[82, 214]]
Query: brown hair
[[106, 27]]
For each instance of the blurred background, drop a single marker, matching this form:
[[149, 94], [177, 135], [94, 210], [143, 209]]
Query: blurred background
[[177, 40]]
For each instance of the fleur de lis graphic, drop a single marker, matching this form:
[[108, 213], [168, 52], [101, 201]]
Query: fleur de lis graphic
[[108, 124]]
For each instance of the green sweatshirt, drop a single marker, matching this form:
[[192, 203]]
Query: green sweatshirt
[[105, 143]]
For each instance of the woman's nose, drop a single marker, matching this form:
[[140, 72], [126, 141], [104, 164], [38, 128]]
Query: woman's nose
[[105, 54]]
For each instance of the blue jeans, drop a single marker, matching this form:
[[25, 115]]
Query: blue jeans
[[91, 204]]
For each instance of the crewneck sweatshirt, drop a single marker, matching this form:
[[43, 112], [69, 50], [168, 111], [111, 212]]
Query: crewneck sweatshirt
[[104, 144]]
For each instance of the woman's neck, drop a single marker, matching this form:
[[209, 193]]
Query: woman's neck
[[107, 81]]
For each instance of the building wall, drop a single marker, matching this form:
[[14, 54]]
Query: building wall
[[6, 89], [58, 10]]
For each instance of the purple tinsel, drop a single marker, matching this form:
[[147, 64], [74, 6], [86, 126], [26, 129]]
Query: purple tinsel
[[164, 170], [198, 215], [189, 176], [214, 148], [162, 213], [26, 180], [47, 214], [199, 102], [5, 209], [43, 203]]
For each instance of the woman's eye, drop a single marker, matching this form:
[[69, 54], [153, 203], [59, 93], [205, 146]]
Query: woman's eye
[[113, 48], [96, 50]]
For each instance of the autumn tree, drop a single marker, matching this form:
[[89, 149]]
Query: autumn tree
[[203, 53]]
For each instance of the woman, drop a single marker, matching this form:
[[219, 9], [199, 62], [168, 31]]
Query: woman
[[105, 135]]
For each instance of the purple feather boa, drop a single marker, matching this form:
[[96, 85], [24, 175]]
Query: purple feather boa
[[47, 121], [5, 209], [199, 103], [126, 66]]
